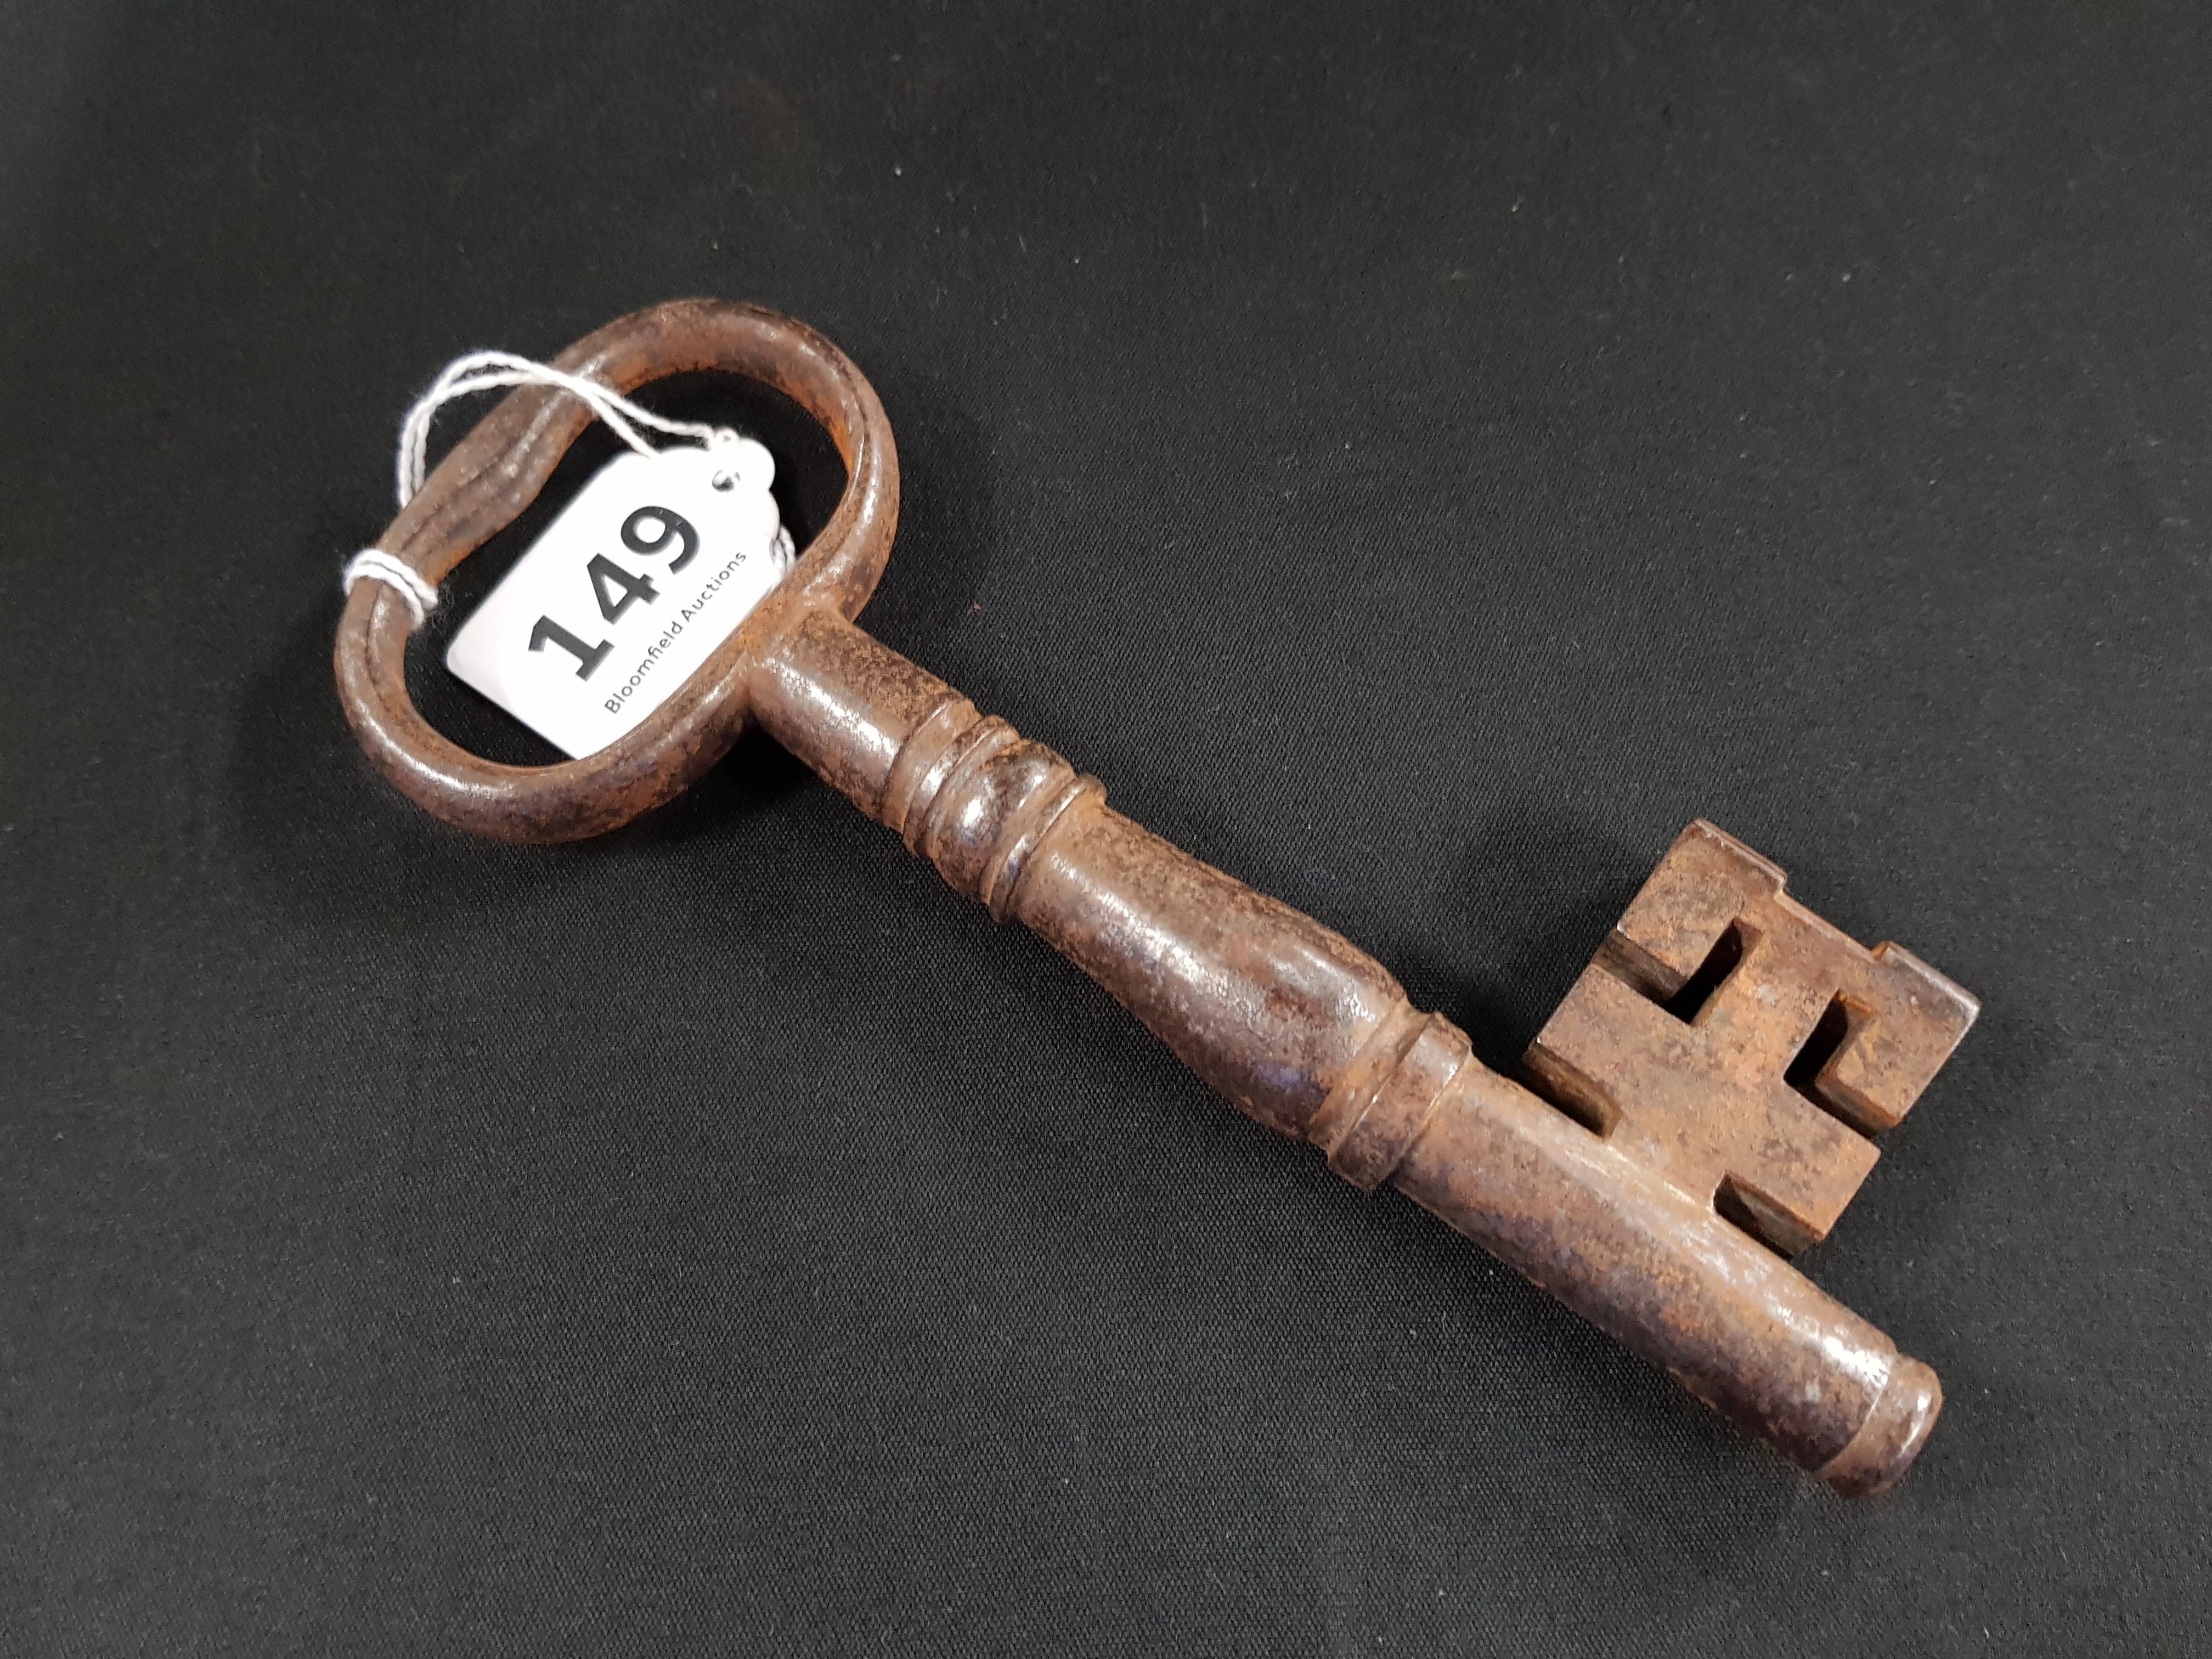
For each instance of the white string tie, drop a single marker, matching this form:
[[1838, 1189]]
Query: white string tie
[[378, 565], [490, 371]]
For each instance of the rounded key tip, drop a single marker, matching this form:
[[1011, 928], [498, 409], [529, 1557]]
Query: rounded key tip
[[1892, 1434]]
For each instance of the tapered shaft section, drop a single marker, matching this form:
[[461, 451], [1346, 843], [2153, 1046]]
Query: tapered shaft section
[[1312, 1037]]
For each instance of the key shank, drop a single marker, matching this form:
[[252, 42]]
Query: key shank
[[1314, 1038]]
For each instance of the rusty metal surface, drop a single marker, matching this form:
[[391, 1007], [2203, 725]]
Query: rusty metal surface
[[1715, 1072]]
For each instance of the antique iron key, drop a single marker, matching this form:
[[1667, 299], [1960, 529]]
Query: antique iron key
[[1709, 1089]]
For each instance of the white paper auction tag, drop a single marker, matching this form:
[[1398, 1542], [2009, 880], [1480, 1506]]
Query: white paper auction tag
[[626, 592]]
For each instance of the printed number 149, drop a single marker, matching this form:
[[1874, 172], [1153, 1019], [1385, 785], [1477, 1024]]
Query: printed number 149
[[616, 589]]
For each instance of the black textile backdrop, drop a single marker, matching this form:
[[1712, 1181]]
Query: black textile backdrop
[[1420, 458]]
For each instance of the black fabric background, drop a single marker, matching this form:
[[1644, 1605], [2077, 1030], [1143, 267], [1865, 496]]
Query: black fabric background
[[1420, 458]]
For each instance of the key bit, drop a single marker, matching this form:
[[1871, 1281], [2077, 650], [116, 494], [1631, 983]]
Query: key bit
[[1741, 1047]]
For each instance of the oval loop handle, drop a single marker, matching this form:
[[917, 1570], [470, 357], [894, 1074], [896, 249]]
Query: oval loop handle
[[496, 472]]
